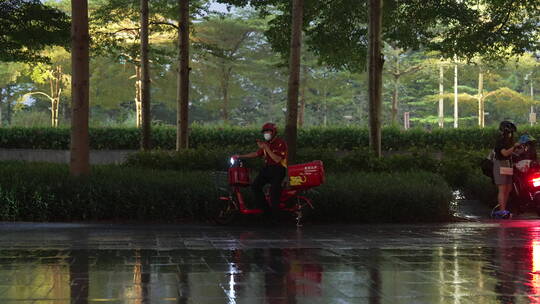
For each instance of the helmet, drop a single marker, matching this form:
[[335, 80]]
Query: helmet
[[269, 127], [507, 127]]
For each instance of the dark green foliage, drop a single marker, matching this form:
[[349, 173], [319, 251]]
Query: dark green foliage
[[45, 192], [383, 197], [480, 187], [490, 28], [459, 168], [27, 27], [336, 138], [217, 159]]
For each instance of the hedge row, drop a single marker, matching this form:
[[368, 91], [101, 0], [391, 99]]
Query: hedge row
[[454, 165], [459, 168], [45, 192], [341, 138]]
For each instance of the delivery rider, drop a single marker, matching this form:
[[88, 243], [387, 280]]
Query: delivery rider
[[274, 151]]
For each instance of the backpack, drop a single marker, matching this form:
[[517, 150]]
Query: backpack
[[486, 164]]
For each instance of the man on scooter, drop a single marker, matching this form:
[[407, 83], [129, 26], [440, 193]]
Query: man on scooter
[[274, 151]]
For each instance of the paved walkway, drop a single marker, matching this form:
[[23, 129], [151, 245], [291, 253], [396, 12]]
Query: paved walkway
[[480, 262]]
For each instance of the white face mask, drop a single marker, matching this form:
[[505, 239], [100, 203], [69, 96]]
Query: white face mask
[[267, 136]]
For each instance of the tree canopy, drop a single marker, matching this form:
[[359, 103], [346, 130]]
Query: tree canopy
[[27, 27], [336, 30]]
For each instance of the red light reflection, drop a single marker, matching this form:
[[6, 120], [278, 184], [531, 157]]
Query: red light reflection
[[535, 260]]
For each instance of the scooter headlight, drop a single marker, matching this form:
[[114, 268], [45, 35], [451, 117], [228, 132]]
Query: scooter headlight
[[232, 161]]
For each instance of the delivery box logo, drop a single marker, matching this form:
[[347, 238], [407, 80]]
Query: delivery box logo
[[298, 180]]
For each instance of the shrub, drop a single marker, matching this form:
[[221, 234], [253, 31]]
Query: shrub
[[46, 192], [460, 169], [334, 161], [383, 197], [333, 138]]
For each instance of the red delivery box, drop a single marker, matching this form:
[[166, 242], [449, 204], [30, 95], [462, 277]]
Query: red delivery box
[[303, 176], [238, 176]]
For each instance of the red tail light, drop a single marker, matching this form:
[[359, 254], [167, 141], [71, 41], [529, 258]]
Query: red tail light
[[535, 181]]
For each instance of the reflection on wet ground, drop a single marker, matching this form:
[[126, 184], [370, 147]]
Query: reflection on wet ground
[[490, 262]]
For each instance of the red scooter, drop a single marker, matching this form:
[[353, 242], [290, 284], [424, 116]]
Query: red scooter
[[300, 178]]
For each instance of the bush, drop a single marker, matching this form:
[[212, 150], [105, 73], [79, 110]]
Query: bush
[[333, 138], [334, 161], [480, 187], [383, 197], [45, 192], [460, 169]]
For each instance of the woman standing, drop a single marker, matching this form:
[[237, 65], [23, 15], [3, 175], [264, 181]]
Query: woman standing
[[502, 166]]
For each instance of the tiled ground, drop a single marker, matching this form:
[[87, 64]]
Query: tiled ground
[[489, 262]]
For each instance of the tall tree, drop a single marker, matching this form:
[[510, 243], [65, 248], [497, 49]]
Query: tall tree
[[456, 95], [375, 65], [145, 80], [117, 33], [441, 93], [80, 146], [222, 45], [397, 69], [481, 111], [183, 77], [10, 73], [302, 109], [52, 80], [294, 78], [496, 27]]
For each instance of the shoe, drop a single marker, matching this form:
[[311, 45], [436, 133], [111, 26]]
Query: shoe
[[501, 214]]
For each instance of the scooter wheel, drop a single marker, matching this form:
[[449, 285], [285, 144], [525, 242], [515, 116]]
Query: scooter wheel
[[222, 212]]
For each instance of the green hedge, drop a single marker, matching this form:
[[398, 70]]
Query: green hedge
[[217, 159], [340, 138], [387, 197], [455, 165], [45, 192], [459, 168]]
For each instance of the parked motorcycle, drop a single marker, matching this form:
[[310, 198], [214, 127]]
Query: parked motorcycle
[[526, 180]]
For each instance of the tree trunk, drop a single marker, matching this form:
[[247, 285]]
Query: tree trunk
[[65, 111], [1, 102], [80, 150], [291, 127], [395, 93], [532, 89], [54, 110], [182, 113], [145, 79], [441, 99], [9, 110], [532, 98], [325, 111], [302, 109], [138, 90], [59, 86], [56, 90], [481, 99], [225, 93], [395, 101], [456, 114], [375, 65]]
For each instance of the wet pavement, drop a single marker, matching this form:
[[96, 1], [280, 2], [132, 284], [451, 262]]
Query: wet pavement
[[469, 262]]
